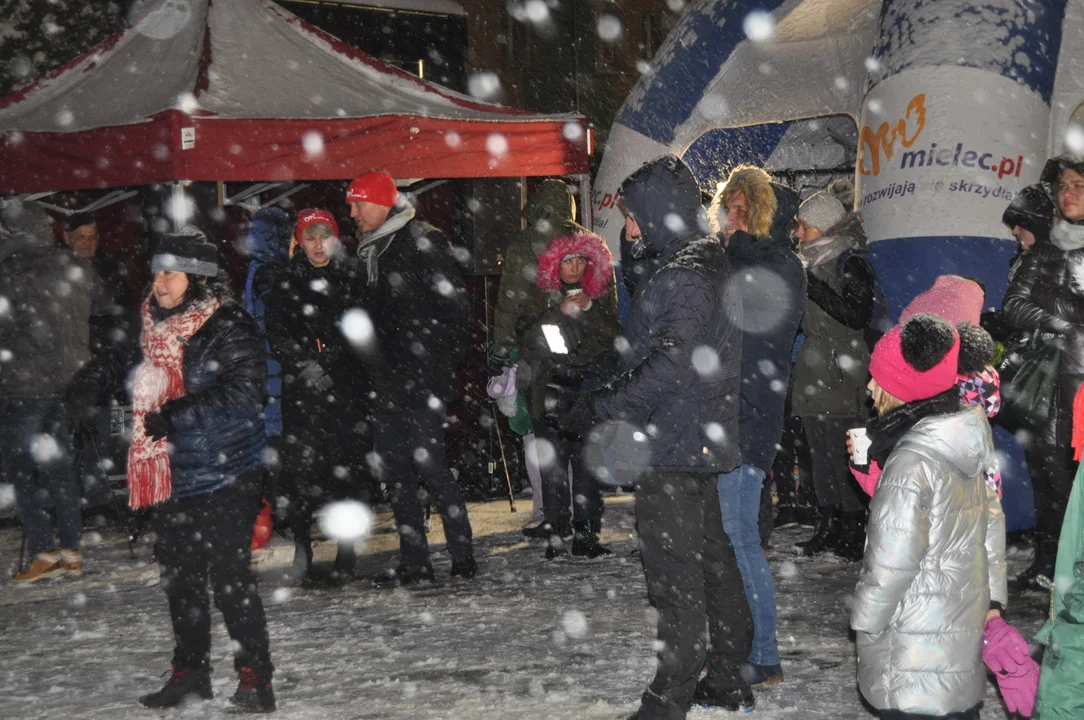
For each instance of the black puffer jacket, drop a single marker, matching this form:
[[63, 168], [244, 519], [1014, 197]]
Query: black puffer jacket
[[218, 430], [772, 282], [419, 306], [680, 372], [303, 320]]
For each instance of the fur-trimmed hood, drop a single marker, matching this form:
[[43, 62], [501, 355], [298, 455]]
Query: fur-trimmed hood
[[586, 244]]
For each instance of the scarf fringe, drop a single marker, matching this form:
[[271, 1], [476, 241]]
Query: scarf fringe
[[149, 482]]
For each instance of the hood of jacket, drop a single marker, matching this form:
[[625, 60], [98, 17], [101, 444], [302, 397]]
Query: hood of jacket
[[959, 438], [664, 198], [23, 225], [585, 244], [269, 236], [786, 210], [553, 201]]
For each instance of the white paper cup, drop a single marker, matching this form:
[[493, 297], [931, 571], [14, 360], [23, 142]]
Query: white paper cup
[[860, 441]]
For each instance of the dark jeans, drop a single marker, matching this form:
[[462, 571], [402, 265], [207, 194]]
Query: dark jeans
[[582, 509], [827, 438], [208, 538], [36, 452], [410, 447], [972, 714], [695, 585]]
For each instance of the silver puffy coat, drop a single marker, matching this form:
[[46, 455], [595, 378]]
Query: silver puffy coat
[[935, 558]]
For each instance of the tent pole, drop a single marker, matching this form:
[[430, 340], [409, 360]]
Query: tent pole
[[221, 194], [586, 207]]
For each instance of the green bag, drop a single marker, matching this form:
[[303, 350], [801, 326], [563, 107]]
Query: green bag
[[1029, 383], [1061, 681]]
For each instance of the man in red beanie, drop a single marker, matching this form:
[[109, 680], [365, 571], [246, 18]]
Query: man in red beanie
[[416, 299]]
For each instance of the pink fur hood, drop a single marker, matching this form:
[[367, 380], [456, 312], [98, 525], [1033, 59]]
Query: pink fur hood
[[599, 263]]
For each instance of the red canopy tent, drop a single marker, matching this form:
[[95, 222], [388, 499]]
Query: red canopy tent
[[242, 90]]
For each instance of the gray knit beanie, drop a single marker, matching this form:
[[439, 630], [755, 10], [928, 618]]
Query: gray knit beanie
[[822, 211]]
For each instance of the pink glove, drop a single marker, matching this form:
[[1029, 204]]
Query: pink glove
[[1007, 655], [868, 480]]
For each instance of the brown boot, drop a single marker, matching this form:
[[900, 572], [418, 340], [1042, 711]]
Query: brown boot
[[44, 566], [73, 561]]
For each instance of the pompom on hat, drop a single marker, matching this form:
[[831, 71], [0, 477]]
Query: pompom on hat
[[918, 359]]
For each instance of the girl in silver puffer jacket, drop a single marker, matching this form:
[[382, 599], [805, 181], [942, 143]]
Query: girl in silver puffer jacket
[[934, 566]]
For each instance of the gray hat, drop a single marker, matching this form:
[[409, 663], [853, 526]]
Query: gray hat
[[188, 251], [822, 210]]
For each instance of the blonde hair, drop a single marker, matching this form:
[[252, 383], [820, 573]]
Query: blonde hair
[[756, 184], [883, 401]]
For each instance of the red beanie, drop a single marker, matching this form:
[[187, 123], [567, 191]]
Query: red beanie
[[375, 186], [921, 342], [312, 216]]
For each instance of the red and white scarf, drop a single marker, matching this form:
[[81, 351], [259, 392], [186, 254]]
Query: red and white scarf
[[158, 379]]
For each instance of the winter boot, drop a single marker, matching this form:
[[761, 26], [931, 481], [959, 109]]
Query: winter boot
[[732, 700], [787, 517], [182, 685], [851, 544], [345, 561], [254, 692], [585, 544], [807, 517], [1040, 575], [825, 535], [403, 575], [465, 569], [302, 564], [44, 566], [762, 675], [558, 546], [73, 562], [542, 531]]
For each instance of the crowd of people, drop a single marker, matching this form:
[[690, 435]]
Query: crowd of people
[[756, 332]]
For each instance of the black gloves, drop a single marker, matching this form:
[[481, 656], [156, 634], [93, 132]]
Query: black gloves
[[581, 417], [157, 424]]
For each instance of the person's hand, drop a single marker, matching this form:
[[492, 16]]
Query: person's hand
[[1007, 655], [575, 303], [157, 426], [850, 447]]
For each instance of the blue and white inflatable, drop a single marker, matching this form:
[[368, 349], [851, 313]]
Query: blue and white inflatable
[[942, 110]]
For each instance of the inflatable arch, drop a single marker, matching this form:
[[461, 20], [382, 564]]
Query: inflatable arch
[[942, 111]]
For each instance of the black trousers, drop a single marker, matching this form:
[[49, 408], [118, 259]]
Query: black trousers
[[972, 714], [827, 438], [410, 447], [1049, 455], [793, 450], [695, 585], [582, 509], [207, 538]]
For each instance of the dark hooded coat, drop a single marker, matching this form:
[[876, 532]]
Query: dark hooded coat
[[679, 376]]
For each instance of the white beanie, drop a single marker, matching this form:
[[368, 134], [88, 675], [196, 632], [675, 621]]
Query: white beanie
[[822, 210]]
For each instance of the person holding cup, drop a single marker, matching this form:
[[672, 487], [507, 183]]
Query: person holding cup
[[935, 525]]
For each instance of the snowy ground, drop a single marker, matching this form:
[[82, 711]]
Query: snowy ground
[[528, 639]]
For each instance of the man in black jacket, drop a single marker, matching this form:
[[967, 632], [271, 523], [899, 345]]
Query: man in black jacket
[[678, 389], [772, 283], [416, 299]]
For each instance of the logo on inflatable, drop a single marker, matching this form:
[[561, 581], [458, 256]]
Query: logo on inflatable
[[880, 146]]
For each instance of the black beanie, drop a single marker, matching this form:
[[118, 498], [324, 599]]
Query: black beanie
[[1032, 210], [188, 251], [78, 220]]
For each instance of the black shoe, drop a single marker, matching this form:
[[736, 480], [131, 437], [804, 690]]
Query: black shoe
[[825, 535], [852, 537], [586, 544], [404, 575], [345, 562], [465, 569], [558, 546], [762, 675], [541, 531], [182, 685], [787, 517], [732, 700], [254, 693], [1040, 575]]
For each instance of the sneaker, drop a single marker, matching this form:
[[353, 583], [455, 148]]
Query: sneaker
[[72, 560], [44, 566], [183, 685], [254, 693], [732, 700], [403, 575], [465, 569], [762, 675]]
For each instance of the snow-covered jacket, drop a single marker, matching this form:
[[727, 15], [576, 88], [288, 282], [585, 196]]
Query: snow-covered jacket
[[934, 561], [680, 371]]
